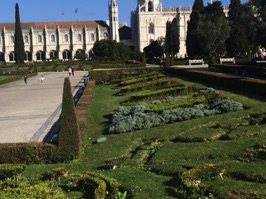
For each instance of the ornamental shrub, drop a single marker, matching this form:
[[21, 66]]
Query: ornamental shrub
[[69, 135], [10, 170]]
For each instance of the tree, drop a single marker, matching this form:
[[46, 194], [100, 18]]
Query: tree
[[81, 55], [193, 40], [69, 135], [213, 29], [172, 44], [110, 50], [235, 44], [18, 43], [153, 51]]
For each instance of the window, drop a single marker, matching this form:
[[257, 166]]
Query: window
[[52, 38], [79, 37], [26, 39], [66, 37], [92, 37], [105, 35], [150, 7], [39, 39], [12, 39], [151, 28]]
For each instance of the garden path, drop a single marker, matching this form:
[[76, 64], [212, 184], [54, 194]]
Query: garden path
[[29, 111]]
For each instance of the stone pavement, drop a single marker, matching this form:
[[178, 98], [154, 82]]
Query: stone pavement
[[29, 111]]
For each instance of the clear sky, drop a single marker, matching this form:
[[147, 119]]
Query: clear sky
[[75, 10]]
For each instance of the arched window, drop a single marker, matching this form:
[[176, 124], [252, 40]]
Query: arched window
[[12, 56], [66, 37], [105, 35], [12, 39], [151, 28], [39, 38], [92, 37], [53, 38], [26, 39], [79, 37], [150, 7]]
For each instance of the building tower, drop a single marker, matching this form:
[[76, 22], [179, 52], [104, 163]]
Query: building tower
[[113, 20]]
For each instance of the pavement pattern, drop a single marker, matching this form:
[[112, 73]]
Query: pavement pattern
[[29, 111]]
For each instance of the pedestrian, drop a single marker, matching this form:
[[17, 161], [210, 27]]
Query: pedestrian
[[25, 79], [73, 71], [69, 71], [41, 79]]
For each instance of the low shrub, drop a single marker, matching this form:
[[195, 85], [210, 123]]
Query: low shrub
[[10, 170], [25, 190], [55, 174], [28, 153]]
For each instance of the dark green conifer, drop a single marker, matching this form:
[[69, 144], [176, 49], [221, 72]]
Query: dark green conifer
[[69, 135], [18, 43]]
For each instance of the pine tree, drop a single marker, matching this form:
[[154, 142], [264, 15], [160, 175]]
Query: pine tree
[[193, 40], [19, 43]]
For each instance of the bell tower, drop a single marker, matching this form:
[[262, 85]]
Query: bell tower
[[113, 20], [149, 5]]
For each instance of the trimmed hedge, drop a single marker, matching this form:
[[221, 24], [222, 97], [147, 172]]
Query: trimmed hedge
[[69, 134], [102, 76], [28, 153], [9, 170], [96, 186], [256, 86]]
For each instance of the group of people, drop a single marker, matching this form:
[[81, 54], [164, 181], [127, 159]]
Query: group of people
[[71, 71], [25, 78]]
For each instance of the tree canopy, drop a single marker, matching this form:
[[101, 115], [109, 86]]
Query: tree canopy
[[172, 43], [192, 38]]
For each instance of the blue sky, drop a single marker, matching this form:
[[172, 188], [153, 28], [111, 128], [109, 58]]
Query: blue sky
[[64, 10]]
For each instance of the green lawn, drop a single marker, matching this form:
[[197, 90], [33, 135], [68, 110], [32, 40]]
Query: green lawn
[[158, 159]]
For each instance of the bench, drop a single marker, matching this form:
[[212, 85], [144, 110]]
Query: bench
[[227, 60], [241, 72], [260, 62], [195, 61]]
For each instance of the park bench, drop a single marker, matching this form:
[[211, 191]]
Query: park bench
[[195, 61], [260, 62], [227, 60]]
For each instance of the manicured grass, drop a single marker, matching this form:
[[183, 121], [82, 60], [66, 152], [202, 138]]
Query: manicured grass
[[157, 157]]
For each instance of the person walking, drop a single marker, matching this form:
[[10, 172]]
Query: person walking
[[69, 71], [41, 79], [25, 79], [73, 71]]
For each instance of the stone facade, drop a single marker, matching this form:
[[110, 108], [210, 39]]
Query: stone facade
[[148, 22], [61, 40], [52, 40]]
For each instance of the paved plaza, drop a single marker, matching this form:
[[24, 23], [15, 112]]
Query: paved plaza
[[29, 111]]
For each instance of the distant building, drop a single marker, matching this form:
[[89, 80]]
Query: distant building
[[62, 40], [52, 40], [148, 22]]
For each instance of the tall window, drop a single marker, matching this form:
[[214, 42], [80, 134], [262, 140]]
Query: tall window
[[92, 37], [12, 39], [39, 39], [150, 6], [66, 37], [79, 37], [26, 39], [151, 28], [52, 38]]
